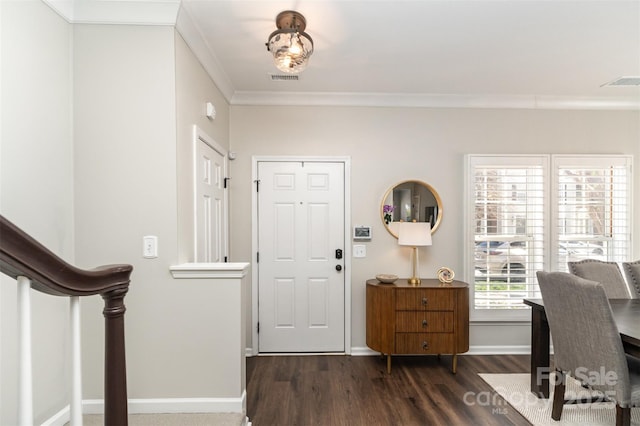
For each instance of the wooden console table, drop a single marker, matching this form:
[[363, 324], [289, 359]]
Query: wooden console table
[[429, 318]]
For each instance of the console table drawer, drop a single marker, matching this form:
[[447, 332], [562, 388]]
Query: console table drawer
[[412, 321], [425, 300], [424, 343]]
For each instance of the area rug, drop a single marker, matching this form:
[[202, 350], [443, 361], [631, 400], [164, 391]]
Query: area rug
[[514, 388]]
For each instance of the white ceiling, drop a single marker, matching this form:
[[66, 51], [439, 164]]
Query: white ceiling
[[529, 54]]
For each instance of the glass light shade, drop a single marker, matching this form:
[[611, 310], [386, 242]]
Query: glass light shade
[[415, 234], [290, 49]]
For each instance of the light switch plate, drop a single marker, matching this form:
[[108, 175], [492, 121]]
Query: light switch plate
[[359, 250], [149, 246]]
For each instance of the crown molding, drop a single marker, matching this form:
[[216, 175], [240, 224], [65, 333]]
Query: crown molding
[[191, 34], [133, 12], [432, 101], [169, 12], [596, 103], [147, 12]]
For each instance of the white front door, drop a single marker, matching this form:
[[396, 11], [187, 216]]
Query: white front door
[[301, 285]]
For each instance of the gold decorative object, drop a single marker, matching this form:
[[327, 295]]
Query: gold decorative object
[[445, 275]]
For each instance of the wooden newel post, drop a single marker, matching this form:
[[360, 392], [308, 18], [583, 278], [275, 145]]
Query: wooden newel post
[[115, 369], [24, 258]]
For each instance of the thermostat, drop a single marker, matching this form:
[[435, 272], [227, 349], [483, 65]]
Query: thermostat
[[361, 232]]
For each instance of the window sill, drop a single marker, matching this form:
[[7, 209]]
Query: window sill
[[210, 270]]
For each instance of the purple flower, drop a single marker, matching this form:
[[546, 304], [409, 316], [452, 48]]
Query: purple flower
[[386, 212]]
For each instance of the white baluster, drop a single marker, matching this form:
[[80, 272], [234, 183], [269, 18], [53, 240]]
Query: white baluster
[[25, 386], [76, 362]]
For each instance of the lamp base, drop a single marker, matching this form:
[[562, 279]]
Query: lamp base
[[414, 281]]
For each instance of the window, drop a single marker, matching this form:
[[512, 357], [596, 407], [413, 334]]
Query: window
[[593, 209], [531, 213]]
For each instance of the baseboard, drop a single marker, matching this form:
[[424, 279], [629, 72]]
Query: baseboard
[[61, 418], [363, 351], [473, 350], [499, 350], [159, 406]]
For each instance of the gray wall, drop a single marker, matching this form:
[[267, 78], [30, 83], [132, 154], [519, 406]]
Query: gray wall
[[125, 188], [36, 188], [100, 114], [138, 92], [96, 140], [194, 89], [388, 145]]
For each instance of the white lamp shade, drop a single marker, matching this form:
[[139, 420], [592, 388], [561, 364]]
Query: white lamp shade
[[414, 234]]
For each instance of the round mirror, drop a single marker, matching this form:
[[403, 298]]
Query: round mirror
[[408, 201]]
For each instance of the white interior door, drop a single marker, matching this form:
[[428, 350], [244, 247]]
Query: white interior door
[[301, 285], [210, 172]]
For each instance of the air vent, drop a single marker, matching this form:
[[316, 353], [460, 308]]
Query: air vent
[[623, 81], [284, 77]]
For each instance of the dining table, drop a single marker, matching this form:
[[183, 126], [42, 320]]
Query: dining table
[[626, 313]]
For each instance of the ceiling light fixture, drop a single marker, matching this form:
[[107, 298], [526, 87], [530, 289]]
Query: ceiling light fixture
[[290, 46]]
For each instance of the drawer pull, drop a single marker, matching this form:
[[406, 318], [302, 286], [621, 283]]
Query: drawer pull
[[424, 323], [425, 345], [424, 301]]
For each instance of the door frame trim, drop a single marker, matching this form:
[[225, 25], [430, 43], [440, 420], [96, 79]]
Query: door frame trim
[[347, 241]]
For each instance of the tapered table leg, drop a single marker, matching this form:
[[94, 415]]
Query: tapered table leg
[[539, 353]]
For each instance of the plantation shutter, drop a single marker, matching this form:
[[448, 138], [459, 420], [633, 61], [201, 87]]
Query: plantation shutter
[[593, 198], [508, 228], [530, 213]]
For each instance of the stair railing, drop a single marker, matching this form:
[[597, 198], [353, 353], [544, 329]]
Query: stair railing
[[33, 266]]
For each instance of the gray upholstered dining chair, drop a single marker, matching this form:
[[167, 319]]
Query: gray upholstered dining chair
[[587, 342], [632, 272], [607, 273]]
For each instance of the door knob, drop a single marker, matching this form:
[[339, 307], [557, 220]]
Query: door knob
[[338, 268]]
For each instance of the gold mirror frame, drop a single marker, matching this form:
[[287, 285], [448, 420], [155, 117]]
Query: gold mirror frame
[[415, 213]]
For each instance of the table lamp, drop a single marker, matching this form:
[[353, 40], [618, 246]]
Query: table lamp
[[414, 234]]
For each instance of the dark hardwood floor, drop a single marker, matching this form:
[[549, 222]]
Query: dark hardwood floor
[[356, 390]]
